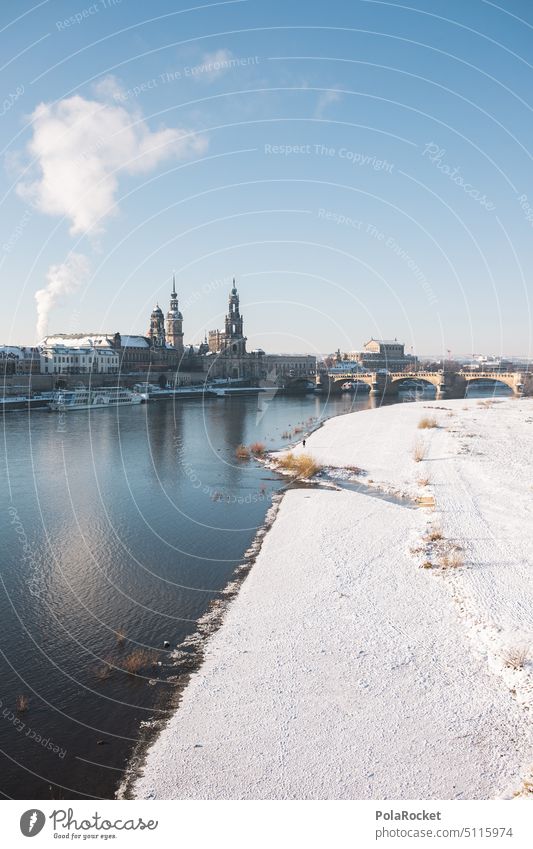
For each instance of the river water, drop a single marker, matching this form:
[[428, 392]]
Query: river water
[[118, 529]]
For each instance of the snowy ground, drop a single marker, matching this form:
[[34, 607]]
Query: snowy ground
[[343, 668]]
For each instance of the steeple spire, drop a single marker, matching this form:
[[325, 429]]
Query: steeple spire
[[175, 320]]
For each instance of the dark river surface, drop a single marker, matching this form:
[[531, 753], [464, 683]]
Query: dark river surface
[[118, 529]]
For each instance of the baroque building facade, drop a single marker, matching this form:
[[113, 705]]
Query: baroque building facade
[[224, 356]]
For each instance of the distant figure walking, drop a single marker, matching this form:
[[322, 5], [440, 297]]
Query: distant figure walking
[[303, 442]]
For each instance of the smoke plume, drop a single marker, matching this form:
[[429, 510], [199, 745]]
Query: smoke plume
[[61, 280]]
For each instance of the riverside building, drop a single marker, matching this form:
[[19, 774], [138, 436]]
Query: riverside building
[[162, 354]]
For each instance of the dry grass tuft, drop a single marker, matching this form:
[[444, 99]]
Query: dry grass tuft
[[434, 534], [419, 452], [120, 636], [427, 564], [424, 481], [300, 465], [258, 448], [451, 559], [137, 660], [516, 657], [23, 704], [242, 452], [427, 422]]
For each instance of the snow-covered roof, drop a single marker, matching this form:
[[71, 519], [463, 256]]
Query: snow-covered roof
[[134, 342], [80, 340], [10, 351]]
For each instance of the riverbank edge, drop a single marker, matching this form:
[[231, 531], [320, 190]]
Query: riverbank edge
[[192, 651]]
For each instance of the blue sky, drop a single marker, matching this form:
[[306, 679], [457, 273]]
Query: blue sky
[[362, 168]]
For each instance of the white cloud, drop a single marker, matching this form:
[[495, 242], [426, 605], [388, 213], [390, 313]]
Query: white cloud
[[324, 100], [109, 88], [61, 280], [214, 65], [80, 148]]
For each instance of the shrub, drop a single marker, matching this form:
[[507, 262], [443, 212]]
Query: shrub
[[257, 448], [419, 452], [242, 452], [427, 422], [434, 534], [137, 660], [424, 481], [23, 703], [300, 465], [516, 657], [451, 559]]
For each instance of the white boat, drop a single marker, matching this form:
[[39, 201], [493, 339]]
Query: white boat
[[84, 398], [229, 391]]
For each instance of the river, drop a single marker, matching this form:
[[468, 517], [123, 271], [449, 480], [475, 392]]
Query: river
[[119, 527]]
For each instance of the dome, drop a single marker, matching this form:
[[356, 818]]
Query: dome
[[172, 315], [157, 312]]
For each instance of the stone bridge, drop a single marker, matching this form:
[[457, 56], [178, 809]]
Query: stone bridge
[[453, 383]]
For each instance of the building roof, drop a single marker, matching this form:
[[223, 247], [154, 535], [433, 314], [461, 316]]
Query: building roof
[[134, 341], [384, 341], [80, 340]]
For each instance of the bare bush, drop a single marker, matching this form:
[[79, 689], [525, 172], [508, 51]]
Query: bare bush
[[419, 451], [427, 422], [452, 558], [516, 657], [257, 448], [300, 465], [138, 660], [424, 481], [242, 452], [23, 703]]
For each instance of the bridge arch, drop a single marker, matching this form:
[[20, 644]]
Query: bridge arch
[[508, 382], [426, 380], [338, 381]]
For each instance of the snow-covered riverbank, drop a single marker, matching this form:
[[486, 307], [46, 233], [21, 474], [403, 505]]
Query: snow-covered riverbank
[[376, 650]]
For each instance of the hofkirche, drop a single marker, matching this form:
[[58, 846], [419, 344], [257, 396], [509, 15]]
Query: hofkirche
[[222, 354]]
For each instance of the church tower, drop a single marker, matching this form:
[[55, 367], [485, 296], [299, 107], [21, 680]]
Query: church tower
[[234, 339], [156, 332], [174, 321]]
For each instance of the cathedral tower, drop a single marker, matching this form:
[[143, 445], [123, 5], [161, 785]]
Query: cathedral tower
[[156, 332], [234, 339], [174, 321]]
